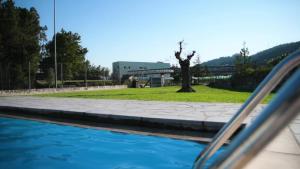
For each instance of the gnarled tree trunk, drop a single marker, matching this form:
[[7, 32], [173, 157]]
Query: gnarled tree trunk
[[185, 70]]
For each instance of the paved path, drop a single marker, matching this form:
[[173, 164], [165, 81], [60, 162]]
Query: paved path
[[283, 152], [217, 112]]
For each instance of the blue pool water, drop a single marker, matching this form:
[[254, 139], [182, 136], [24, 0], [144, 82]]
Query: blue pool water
[[30, 144]]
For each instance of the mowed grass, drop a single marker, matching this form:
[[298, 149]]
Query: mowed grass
[[203, 94]]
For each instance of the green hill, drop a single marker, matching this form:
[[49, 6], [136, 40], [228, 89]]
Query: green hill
[[260, 58], [222, 61]]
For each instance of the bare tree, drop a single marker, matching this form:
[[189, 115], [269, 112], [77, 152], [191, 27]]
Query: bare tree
[[185, 70]]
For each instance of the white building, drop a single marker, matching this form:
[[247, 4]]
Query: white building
[[122, 68]]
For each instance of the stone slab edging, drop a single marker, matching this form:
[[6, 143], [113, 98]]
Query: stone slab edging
[[185, 127]]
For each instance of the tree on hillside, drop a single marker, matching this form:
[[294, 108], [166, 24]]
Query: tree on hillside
[[244, 53], [185, 70], [20, 51], [245, 77], [242, 61], [70, 54]]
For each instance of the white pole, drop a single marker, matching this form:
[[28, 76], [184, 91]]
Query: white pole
[[61, 75], [55, 61], [85, 76], [29, 78]]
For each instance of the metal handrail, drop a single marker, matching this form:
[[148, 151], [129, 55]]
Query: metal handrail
[[264, 88], [275, 117]]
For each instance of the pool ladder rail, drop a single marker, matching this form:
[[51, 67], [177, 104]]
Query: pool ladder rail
[[276, 116]]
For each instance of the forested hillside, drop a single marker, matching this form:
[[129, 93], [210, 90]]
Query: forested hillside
[[265, 56], [260, 58], [222, 61]]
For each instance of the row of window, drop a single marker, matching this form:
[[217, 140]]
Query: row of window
[[128, 67]]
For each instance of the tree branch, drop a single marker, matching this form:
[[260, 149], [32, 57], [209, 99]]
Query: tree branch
[[191, 55], [178, 53], [180, 46]]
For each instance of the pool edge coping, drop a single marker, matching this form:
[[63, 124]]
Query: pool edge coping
[[135, 123]]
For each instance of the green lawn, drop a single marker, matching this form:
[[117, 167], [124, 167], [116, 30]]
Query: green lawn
[[203, 94]]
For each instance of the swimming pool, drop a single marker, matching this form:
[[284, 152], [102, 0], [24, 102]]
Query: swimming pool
[[31, 144]]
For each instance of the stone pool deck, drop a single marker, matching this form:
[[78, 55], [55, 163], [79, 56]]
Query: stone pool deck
[[283, 152]]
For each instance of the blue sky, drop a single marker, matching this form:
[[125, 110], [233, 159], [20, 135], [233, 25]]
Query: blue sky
[[148, 30]]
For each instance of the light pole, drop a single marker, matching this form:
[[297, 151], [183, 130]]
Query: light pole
[[29, 78], [61, 69], [85, 76], [61, 75], [55, 61]]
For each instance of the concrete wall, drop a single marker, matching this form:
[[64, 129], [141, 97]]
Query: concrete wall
[[53, 90]]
